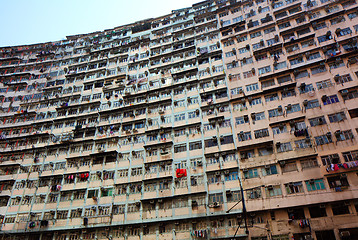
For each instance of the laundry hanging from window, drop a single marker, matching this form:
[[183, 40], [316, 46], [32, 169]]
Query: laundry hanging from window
[[180, 173]]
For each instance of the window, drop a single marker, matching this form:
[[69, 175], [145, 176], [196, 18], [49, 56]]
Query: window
[[312, 104], [252, 87], [237, 19], [264, 70], [324, 84], [280, 129], [195, 145], [256, 101], [136, 171], [295, 187], [244, 136], [313, 56], [336, 64], [253, 193], [323, 139], [231, 176], [293, 108], [235, 91], [309, 163], [330, 99], [280, 65], [229, 54], [275, 112], [350, 94], [303, 31], [268, 83], [317, 121], [288, 93], [332, 9], [261, 133], [301, 74], [260, 116], [251, 173], [315, 184], [92, 193], [62, 214], [319, 69], [217, 197], [288, 166], [225, 23], [343, 32], [296, 60], [192, 115], [271, 97], [247, 74], [303, 143], [338, 19], [340, 208], [269, 30], [179, 117], [241, 120], [330, 159], [338, 182], [344, 78], [344, 135], [272, 191], [284, 25], [281, 15], [317, 211], [352, 15], [243, 50], [226, 140], [180, 148], [255, 34], [319, 26], [350, 156], [306, 88], [252, 24], [246, 61], [269, 170]]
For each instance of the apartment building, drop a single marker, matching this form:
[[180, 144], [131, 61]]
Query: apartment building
[[163, 128]]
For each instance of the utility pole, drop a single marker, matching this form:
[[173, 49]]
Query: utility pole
[[244, 210]]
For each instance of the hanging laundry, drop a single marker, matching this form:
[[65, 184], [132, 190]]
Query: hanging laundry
[[32, 224], [180, 173], [335, 167]]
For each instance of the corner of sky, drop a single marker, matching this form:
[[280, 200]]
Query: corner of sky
[[27, 22]]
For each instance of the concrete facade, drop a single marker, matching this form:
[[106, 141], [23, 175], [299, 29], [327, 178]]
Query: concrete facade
[[146, 131]]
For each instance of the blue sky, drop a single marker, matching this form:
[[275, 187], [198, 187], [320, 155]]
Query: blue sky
[[33, 21]]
